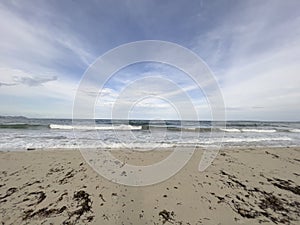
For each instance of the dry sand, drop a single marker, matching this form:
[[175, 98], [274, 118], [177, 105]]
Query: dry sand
[[242, 186]]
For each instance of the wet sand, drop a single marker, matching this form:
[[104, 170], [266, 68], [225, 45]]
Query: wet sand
[[242, 186]]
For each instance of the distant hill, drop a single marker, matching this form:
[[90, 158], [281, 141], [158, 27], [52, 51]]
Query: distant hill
[[13, 117]]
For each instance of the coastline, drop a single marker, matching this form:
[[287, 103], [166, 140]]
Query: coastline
[[242, 186]]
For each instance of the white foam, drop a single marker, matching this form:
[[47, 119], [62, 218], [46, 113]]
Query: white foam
[[295, 130], [137, 145], [230, 130], [62, 127], [78, 127], [256, 139], [233, 140], [259, 130]]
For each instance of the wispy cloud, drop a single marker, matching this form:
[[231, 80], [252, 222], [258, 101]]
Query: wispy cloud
[[251, 46], [255, 59], [33, 81], [7, 84], [33, 45]]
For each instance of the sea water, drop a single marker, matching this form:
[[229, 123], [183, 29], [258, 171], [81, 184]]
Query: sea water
[[20, 133]]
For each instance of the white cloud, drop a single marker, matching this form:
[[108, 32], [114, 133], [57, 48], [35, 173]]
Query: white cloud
[[36, 46], [35, 96], [256, 61], [253, 49]]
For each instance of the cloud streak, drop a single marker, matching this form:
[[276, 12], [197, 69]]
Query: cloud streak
[[7, 84], [33, 81], [251, 46]]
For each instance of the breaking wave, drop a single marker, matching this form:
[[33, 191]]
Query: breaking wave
[[85, 127]]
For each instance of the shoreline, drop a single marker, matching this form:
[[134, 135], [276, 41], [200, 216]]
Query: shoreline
[[242, 186], [222, 148]]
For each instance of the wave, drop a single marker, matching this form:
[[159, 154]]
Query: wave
[[183, 129], [191, 143], [143, 125], [60, 127], [295, 130], [230, 130], [153, 127], [210, 129], [54, 137], [256, 139], [85, 127], [259, 130], [19, 126], [137, 145]]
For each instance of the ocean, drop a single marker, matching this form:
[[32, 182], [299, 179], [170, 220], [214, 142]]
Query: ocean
[[21, 133]]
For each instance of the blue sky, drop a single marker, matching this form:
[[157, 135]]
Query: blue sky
[[252, 47]]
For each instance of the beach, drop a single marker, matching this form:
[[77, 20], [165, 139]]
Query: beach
[[250, 185], [150, 112]]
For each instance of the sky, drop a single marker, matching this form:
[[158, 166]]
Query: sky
[[251, 47]]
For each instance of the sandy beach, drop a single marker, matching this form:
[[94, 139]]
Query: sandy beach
[[242, 186], [150, 112]]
